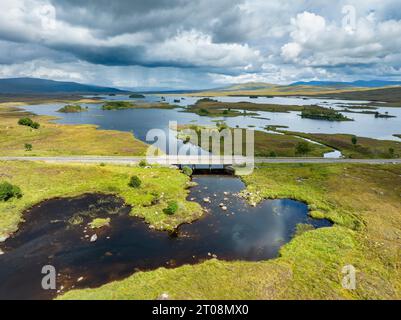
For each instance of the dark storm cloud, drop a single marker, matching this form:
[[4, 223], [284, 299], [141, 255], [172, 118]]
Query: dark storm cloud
[[161, 17], [120, 56], [155, 21], [12, 52], [108, 56]]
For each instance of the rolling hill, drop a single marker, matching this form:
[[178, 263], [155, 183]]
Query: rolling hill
[[358, 83], [43, 86], [374, 90]]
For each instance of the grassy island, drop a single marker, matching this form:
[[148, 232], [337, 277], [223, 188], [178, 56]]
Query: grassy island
[[117, 105], [72, 108], [212, 108], [321, 113], [122, 105]]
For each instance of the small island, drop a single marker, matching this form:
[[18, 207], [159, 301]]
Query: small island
[[123, 105], [385, 115], [377, 114], [117, 105], [137, 96], [321, 113], [72, 109]]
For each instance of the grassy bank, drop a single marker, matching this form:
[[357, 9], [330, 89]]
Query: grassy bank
[[265, 144], [43, 181], [53, 139], [24, 99], [362, 199], [356, 147]]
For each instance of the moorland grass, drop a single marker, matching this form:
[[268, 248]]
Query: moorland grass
[[39, 181], [265, 144], [52, 139], [364, 148]]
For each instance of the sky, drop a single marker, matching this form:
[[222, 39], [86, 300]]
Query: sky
[[186, 44]]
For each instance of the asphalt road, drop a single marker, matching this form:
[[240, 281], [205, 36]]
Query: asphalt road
[[193, 160]]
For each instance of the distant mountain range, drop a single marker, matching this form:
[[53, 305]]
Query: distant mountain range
[[248, 86], [42, 86], [34, 86], [359, 83]]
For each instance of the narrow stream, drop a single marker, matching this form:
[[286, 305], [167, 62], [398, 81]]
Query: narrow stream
[[52, 235]]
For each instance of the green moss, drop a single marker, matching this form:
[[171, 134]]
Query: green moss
[[317, 214], [76, 220], [98, 223], [187, 171], [301, 228]]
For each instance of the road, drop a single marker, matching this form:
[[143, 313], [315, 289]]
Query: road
[[167, 160]]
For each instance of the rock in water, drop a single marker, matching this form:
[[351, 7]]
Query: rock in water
[[94, 238]]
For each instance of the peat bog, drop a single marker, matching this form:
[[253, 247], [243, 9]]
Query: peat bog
[[57, 232]]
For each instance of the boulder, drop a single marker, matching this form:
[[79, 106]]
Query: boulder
[[163, 296]]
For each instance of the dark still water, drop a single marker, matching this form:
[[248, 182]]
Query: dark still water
[[56, 233]]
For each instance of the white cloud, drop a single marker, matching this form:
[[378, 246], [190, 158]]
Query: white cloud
[[196, 48], [291, 51], [307, 27]]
